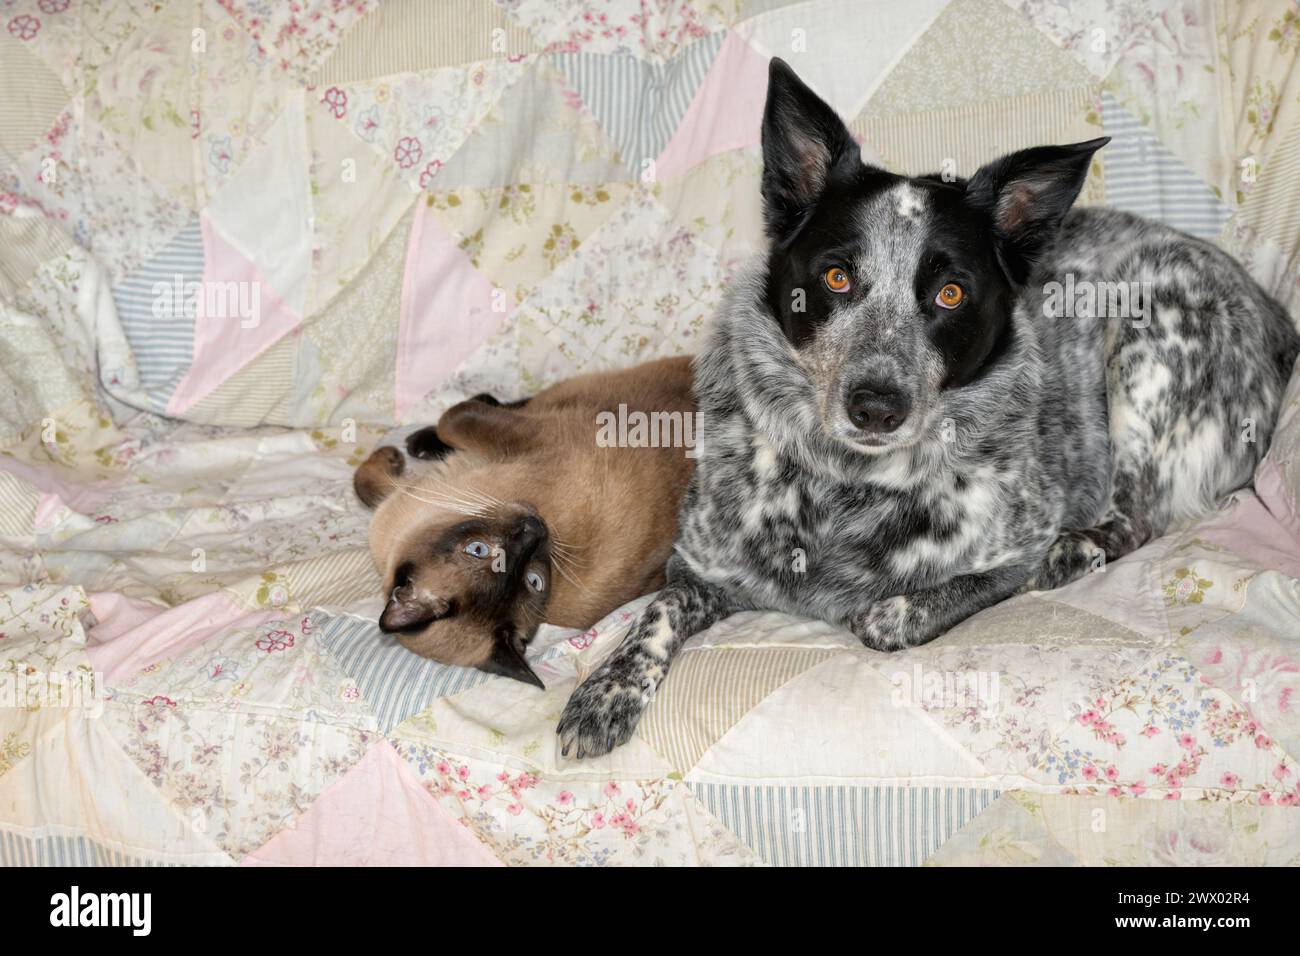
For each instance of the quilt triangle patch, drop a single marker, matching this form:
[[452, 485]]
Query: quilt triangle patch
[[1143, 177], [684, 721], [240, 317], [540, 131], [378, 814], [843, 66], [827, 825], [396, 683], [154, 309], [975, 52], [449, 309], [640, 104], [418, 120]]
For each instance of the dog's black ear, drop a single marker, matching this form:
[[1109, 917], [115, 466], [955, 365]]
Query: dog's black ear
[[805, 144], [1027, 194]]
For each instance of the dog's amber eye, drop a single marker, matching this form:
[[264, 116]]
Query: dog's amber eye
[[950, 296], [836, 279]]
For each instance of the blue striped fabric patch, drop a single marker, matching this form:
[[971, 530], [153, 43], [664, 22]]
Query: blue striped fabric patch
[[843, 826], [639, 104], [163, 344], [396, 683], [18, 850], [1144, 177]]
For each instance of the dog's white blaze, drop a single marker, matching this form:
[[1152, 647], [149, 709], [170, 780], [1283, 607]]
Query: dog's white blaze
[[908, 201]]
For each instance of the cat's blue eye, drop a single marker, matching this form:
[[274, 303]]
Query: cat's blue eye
[[536, 581], [477, 549]]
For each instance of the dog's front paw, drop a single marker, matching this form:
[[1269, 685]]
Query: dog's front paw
[[1070, 557], [890, 624], [604, 710]]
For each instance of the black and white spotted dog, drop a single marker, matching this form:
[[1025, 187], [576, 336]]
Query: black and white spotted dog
[[905, 420]]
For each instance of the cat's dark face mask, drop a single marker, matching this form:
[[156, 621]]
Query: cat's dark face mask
[[475, 595]]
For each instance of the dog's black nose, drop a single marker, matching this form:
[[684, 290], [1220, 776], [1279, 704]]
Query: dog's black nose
[[877, 408]]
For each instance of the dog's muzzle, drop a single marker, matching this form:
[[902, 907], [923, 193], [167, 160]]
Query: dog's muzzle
[[877, 407]]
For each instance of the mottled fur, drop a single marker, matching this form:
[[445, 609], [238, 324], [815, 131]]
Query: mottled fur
[[1032, 446]]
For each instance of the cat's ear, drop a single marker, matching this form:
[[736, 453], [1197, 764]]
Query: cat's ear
[[805, 145], [475, 425], [408, 610], [1027, 194], [508, 661]]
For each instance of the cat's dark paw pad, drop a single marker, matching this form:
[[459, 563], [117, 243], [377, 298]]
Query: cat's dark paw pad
[[602, 713], [426, 444]]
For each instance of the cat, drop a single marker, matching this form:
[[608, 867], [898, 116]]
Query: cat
[[531, 511]]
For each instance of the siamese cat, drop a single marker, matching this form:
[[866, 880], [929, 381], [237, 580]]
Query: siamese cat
[[550, 509]]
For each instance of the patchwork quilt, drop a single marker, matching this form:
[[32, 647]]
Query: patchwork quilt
[[244, 243]]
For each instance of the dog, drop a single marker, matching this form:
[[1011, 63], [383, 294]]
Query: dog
[[904, 421]]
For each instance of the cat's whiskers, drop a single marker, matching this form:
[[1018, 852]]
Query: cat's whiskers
[[567, 555], [484, 500], [436, 499], [446, 502], [487, 501], [571, 578]]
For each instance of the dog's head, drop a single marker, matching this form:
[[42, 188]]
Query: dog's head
[[893, 289]]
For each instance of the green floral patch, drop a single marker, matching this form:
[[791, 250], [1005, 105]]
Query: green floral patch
[[11, 751], [1185, 587]]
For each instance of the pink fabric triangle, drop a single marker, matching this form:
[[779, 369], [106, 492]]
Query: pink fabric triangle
[[225, 343], [446, 314], [83, 498], [377, 814], [726, 113], [132, 634], [1259, 528]]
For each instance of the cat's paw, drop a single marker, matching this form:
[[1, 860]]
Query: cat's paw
[[387, 459], [603, 711], [427, 445], [890, 624], [374, 478]]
